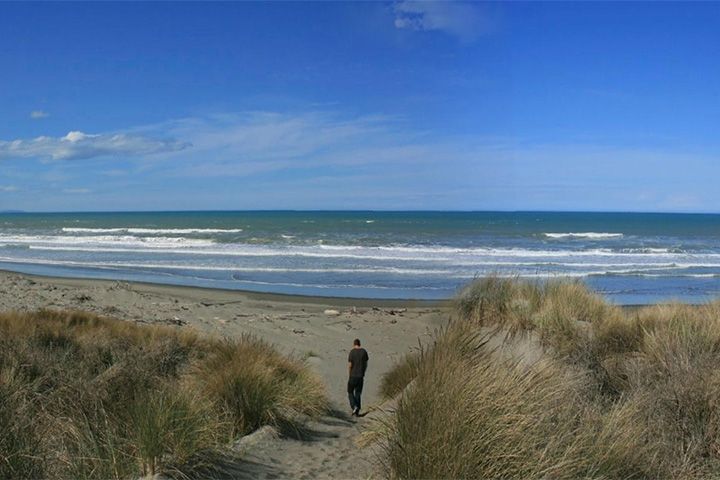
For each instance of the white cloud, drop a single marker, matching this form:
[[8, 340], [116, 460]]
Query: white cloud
[[38, 114], [465, 21], [8, 188], [78, 145]]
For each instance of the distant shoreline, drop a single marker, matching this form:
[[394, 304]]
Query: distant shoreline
[[173, 289], [168, 288], [284, 210]]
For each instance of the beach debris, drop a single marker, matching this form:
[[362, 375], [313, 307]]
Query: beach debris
[[390, 311], [298, 331], [175, 321], [331, 312], [82, 298], [118, 285]]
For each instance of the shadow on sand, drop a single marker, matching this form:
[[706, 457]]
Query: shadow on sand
[[233, 465]]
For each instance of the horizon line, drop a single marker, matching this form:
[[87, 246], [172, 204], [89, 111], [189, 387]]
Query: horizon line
[[60, 212]]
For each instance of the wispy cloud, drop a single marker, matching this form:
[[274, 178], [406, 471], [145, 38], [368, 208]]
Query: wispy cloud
[[254, 142], [78, 145], [76, 190], [38, 114], [465, 21], [8, 188], [318, 159]]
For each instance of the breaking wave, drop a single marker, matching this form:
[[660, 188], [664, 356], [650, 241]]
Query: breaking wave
[[591, 235], [151, 231]]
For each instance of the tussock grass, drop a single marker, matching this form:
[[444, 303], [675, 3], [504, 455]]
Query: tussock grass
[[255, 385], [618, 394], [500, 302], [405, 370], [83, 396]]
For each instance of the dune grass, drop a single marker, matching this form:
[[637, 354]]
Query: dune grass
[[254, 385], [405, 370], [618, 394], [88, 397]]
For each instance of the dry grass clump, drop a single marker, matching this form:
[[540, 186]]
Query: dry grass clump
[[620, 394], [255, 385], [405, 370], [88, 397], [469, 415], [499, 302], [18, 441]]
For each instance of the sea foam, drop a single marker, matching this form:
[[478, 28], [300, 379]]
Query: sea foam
[[152, 231], [591, 235]]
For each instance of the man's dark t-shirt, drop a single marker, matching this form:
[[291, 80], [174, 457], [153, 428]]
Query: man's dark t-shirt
[[358, 358]]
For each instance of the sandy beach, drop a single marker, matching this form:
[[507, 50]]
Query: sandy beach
[[319, 329]]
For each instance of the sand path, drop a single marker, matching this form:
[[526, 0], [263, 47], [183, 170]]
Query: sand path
[[297, 325]]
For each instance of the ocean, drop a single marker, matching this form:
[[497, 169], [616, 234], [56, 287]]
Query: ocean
[[631, 258]]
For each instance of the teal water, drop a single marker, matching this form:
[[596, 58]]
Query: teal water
[[631, 258]]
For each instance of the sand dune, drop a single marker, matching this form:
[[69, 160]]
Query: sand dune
[[318, 329]]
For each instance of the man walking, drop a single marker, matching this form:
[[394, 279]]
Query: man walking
[[357, 364]]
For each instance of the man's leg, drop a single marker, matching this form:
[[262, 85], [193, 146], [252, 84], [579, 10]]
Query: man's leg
[[358, 392], [351, 393]]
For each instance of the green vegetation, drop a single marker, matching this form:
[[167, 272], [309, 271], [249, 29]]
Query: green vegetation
[[88, 397], [617, 394]]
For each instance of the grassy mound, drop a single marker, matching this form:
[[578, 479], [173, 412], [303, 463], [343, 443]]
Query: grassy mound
[[88, 397], [618, 394]]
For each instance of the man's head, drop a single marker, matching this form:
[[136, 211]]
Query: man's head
[[356, 342]]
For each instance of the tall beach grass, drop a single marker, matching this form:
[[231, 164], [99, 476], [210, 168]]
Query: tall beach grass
[[617, 393], [83, 396]]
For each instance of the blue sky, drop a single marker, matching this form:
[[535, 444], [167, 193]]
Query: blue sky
[[396, 105]]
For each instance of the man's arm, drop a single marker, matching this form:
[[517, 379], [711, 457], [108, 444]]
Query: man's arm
[[349, 368]]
